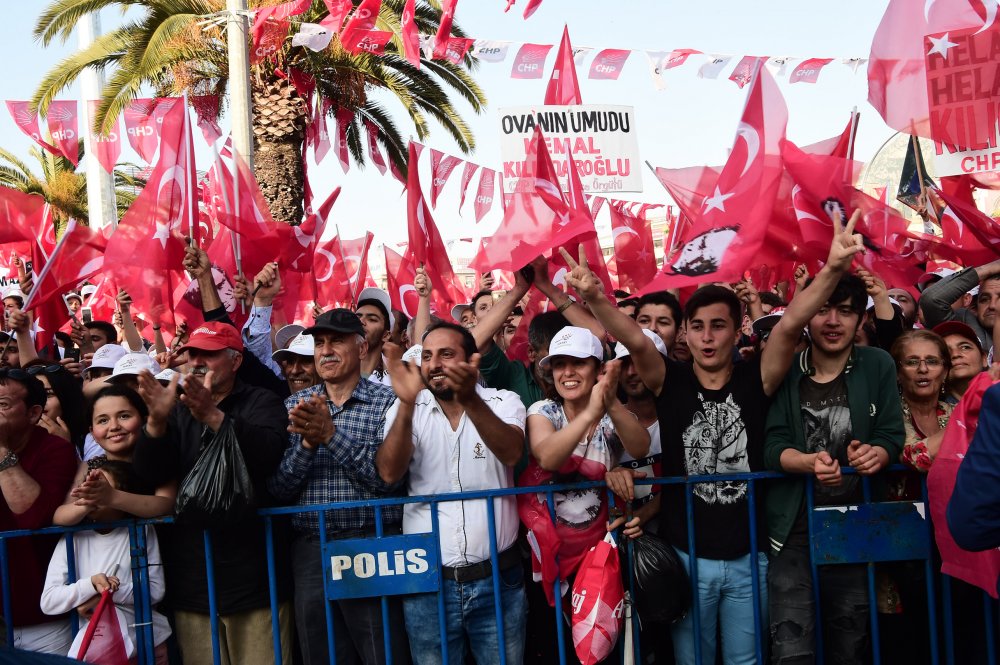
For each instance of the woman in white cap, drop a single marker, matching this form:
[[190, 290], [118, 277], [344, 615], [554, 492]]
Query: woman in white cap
[[577, 436]]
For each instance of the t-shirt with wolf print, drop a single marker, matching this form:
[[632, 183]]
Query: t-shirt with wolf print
[[707, 432], [826, 422]]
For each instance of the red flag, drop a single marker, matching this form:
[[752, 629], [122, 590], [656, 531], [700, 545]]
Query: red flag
[[563, 88], [633, 242], [966, 228], [807, 71], [300, 250], [444, 28], [359, 33], [344, 119], [608, 64], [678, 57], [530, 61], [207, 108], [78, 255], [270, 27], [921, 56], [410, 36], [145, 253], [467, 173], [339, 10], [355, 253], [63, 128], [373, 148], [27, 122], [104, 640], [745, 68], [107, 149], [24, 217], [320, 133], [425, 242], [442, 166], [731, 225], [143, 120], [537, 218], [531, 8], [455, 49], [484, 196], [399, 275]]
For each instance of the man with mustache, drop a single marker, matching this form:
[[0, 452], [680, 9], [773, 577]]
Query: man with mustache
[[298, 365], [446, 433], [335, 429]]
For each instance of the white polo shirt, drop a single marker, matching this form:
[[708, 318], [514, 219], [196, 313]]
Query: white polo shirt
[[446, 460]]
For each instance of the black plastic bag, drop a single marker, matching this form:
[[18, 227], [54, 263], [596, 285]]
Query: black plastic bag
[[662, 586], [218, 489]]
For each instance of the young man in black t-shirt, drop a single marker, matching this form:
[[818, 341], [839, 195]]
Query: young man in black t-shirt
[[712, 415]]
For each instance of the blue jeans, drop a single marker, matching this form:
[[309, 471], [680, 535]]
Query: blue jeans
[[471, 621], [725, 604]]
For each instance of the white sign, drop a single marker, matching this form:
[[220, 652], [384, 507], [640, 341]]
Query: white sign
[[963, 162], [601, 139]]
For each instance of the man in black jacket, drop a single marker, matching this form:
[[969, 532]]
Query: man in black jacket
[[215, 402]]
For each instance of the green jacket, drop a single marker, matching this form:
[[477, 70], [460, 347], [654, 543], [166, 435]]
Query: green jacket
[[876, 419]]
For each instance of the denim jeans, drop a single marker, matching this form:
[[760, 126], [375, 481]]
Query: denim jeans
[[844, 606], [725, 607], [471, 621]]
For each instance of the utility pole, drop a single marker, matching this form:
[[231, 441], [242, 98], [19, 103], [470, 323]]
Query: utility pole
[[239, 79], [100, 185]]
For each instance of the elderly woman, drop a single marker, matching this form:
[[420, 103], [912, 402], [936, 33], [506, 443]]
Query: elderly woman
[[922, 364]]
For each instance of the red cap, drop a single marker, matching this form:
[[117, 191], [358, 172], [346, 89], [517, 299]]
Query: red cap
[[214, 336]]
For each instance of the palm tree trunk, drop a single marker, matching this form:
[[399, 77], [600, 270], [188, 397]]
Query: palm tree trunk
[[279, 122]]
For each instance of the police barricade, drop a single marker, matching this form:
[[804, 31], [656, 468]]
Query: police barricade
[[389, 565]]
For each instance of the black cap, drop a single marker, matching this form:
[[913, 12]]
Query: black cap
[[336, 320]]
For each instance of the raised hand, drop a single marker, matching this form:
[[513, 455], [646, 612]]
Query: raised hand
[[198, 399], [605, 391], [874, 285], [746, 291], [486, 282], [846, 243], [580, 277], [196, 261], [123, 299], [462, 378], [422, 283], [267, 283], [159, 399]]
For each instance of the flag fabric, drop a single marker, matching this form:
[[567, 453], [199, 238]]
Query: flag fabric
[[338, 11], [529, 63], [25, 217], [313, 36], [300, 250], [713, 66], [744, 70], [79, 255], [355, 253], [467, 173], [400, 274], [344, 119], [145, 254], [425, 243], [919, 61], [105, 149], [913, 180], [332, 283], [444, 28], [442, 166], [106, 639], [359, 32], [563, 88], [967, 228], [143, 122], [410, 35], [64, 129], [633, 243], [531, 8], [608, 64], [27, 121], [808, 71], [373, 147], [599, 615], [485, 192], [729, 229]]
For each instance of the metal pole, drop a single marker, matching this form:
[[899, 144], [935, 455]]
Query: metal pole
[[100, 185], [239, 79]]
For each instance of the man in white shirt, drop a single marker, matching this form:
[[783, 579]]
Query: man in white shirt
[[452, 435]]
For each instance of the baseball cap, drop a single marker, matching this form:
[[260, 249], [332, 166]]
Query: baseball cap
[[621, 351], [457, 310], [132, 363], [214, 336], [379, 296], [106, 357], [301, 345], [286, 334], [574, 342], [73, 294], [165, 376], [413, 354], [892, 301], [937, 270], [12, 291], [767, 321], [336, 320], [958, 328]]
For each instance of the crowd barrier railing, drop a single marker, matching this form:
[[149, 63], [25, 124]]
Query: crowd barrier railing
[[870, 533]]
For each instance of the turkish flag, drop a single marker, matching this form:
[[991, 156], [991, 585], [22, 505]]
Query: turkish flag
[[207, 109], [410, 35], [64, 129], [301, 247], [145, 253], [538, 217], [729, 229], [529, 63], [79, 255], [106, 149], [331, 281], [921, 57], [25, 217], [104, 639], [355, 253], [399, 275], [442, 166], [967, 229], [633, 242], [344, 119], [425, 242], [563, 88], [27, 121]]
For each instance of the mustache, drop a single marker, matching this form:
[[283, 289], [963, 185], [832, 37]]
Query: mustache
[[323, 359], [199, 371]]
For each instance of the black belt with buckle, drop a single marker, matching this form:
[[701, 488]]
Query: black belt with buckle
[[478, 571]]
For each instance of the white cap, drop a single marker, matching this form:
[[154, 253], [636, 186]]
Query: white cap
[[132, 363], [767, 321], [892, 301], [457, 310], [166, 375], [301, 345], [574, 342], [413, 354], [371, 293], [621, 351], [88, 290], [12, 291], [286, 334], [106, 357]]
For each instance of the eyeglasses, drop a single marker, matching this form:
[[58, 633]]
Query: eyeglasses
[[35, 370], [914, 363]]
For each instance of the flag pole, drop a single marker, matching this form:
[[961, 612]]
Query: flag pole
[[850, 141], [189, 159], [70, 227], [343, 260], [234, 237]]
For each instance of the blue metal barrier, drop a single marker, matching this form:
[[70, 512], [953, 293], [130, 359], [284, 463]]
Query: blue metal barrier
[[893, 531]]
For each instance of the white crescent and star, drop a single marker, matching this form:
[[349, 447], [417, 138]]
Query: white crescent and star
[[991, 14], [403, 290], [752, 139], [615, 233], [940, 45], [717, 201], [330, 259]]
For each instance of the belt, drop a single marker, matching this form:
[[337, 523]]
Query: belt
[[478, 571]]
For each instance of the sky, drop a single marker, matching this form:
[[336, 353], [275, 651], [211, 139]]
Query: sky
[[690, 122]]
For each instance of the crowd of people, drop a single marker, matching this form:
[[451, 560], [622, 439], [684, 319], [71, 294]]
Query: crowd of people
[[838, 370]]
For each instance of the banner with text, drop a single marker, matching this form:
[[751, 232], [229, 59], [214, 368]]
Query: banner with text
[[600, 138]]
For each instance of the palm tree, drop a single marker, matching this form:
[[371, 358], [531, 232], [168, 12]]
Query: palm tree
[[62, 187], [172, 49]]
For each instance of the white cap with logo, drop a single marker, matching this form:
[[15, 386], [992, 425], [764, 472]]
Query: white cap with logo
[[132, 363], [106, 357], [301, 345], [574, 342], [621, 351]]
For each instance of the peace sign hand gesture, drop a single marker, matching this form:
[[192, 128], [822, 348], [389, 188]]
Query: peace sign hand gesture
[[846, 243], [581, 278]]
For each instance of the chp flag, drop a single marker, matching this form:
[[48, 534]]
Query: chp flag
[[602, 140]]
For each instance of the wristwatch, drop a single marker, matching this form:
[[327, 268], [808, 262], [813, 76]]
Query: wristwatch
[[9, 460]]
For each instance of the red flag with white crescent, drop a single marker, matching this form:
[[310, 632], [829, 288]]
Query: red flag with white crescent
[[444, 28], [633, 243], [400, 274]]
